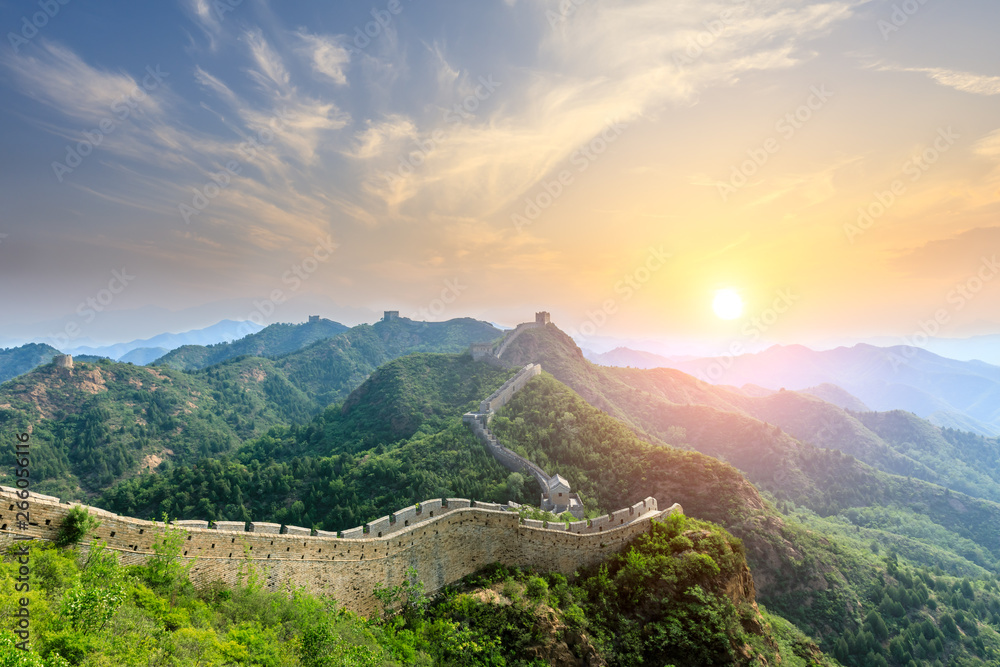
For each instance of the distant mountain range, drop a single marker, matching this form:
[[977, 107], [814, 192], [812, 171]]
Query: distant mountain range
[[223, 331], [963, 395]]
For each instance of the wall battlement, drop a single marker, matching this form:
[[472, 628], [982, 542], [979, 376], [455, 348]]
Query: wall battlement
[[460, 538]]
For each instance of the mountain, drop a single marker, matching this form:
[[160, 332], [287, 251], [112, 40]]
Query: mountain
[[963, 394], [17, 360], [982, 348], [141, 356], [224, 330], [105, 421], [626, 357], [272, 341], [866, 530], [99, 422], [831, 393], [798, 448]]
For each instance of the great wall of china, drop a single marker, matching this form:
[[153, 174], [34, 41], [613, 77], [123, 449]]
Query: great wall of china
[[443, 539]]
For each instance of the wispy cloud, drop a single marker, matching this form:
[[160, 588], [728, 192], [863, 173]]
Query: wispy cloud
[[328, 55], [966, 82], [59, 78], [582, 79]]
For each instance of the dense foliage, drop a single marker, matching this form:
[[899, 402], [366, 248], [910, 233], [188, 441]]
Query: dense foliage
[[272, 341], [17, 360], [399, 441], [103, 422]]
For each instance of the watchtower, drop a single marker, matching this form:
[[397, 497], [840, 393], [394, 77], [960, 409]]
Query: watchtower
[[313, 319], [481, 350], [390, 315], [542, 318], [63, 360]]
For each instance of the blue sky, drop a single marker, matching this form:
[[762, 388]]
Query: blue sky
[[495, 158]]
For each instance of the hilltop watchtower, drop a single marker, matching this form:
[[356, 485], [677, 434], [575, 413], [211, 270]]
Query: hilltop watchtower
[[390, 315], [314, 319], [542, 318], [63, 360]]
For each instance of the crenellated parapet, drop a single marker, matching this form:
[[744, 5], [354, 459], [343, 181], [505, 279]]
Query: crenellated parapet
[[444, 539]]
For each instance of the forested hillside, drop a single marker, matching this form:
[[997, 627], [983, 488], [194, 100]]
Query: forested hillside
[[17, 360], [104, 421], [272, 341]]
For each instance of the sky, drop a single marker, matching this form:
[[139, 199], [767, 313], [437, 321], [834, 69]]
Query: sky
[[617, 163]]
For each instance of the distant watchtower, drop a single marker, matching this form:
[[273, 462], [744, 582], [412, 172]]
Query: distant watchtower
[[63, 360], [314, 319], [390, 315], [481, 350], [542, 318]]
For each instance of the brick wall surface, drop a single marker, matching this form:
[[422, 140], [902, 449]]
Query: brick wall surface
[[443, 549]]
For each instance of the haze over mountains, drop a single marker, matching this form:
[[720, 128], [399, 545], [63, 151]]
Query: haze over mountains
[[959, 394]]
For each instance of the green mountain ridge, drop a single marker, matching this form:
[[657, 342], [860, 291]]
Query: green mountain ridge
[[104, 421], [15, 361], [272, 341]]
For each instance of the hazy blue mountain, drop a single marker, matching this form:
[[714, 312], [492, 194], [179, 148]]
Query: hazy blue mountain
[[225, 330], [141, 356], [623, 356], [831, 393], [963, 394]]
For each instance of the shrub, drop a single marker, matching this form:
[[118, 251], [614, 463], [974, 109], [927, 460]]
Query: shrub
[[75, 527], [537, 588]]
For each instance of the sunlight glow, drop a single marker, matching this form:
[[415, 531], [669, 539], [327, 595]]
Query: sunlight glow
[[727, 305]]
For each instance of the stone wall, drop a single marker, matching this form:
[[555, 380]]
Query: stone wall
[[508, 458], [502, 396], [511, 336], [460, 538]]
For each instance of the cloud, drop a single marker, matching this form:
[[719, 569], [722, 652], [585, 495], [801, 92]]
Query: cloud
[[606, 62], [59, 78], [328, 55], [966, 82], [953, 257], [989, 146], [377, 137], [270, 75]]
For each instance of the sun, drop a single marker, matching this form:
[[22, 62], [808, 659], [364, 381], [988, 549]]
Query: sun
[[727, 305]]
